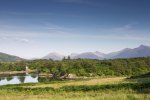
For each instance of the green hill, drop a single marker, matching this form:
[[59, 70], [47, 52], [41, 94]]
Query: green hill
[[6, 57]]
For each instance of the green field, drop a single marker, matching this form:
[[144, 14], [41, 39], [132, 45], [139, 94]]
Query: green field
[[114, 88], [93, 80]]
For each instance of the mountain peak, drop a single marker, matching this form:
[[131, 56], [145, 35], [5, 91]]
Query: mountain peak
[[54, 53], [141, 51], [98, 52], [54, 56], [142, 46]]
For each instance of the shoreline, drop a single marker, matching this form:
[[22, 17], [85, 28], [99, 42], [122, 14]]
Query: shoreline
[[16, 72]]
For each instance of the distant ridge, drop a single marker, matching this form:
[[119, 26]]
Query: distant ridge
[[90, 55], [8, 58], [141, 51]]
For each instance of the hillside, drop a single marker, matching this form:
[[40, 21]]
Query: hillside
[[6, 57], [141, 51]]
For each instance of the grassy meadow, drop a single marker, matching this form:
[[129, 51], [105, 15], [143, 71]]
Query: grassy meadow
[[117, 79], [113, 88]]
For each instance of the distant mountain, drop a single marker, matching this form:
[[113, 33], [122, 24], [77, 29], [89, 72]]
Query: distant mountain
[[115, 54], [90, 55], [54, 56], [99, 54], [73, 55], [141, 51], [6, 57]]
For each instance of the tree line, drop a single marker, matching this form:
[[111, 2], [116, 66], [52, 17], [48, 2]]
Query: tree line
[[83, 67]]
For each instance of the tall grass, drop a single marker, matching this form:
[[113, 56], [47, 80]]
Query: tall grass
[[124, 90]]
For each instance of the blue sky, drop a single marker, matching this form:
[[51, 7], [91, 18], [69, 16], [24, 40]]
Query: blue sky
[[33, 28]]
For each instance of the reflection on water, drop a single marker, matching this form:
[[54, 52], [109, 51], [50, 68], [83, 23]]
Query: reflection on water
[[18, 79]]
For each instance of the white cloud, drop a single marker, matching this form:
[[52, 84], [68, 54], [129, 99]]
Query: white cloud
[[22, 40], [127, 27], [51, 26], [11, 38], [124, 28], [119, 37]]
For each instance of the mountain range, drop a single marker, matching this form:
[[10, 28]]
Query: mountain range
[[141, 51]]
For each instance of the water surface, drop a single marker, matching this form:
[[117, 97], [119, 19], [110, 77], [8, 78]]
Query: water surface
[[19, 79]]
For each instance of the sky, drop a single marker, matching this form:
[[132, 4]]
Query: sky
[[34, 28]]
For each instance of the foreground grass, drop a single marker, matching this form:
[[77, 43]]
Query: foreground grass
[[77, 96], [118, 88]]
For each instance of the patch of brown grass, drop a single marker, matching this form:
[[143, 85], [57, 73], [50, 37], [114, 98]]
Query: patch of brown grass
[[96, 81]]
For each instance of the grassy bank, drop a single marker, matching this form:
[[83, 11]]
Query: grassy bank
[[117, 88]]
